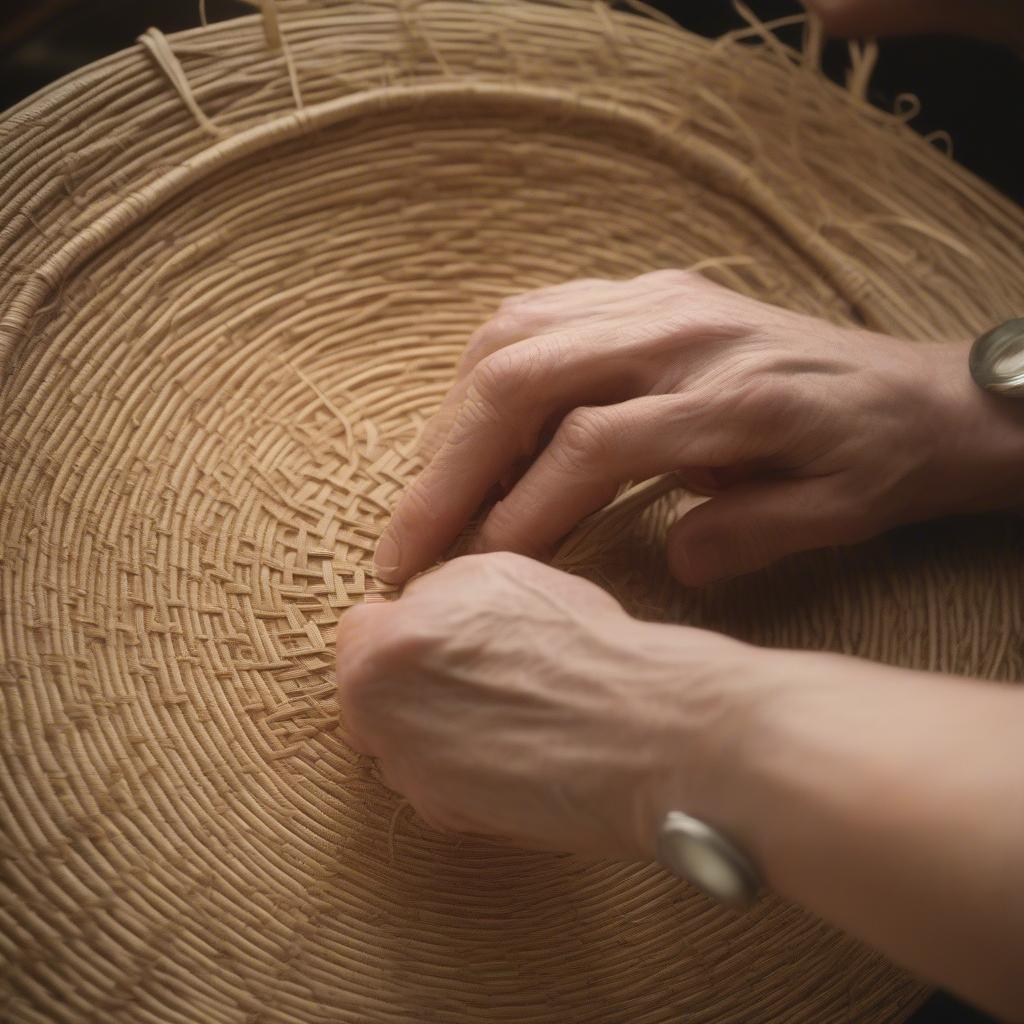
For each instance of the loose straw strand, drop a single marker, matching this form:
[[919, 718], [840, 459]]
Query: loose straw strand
[[863, 58], [156, 43], [277, 40]]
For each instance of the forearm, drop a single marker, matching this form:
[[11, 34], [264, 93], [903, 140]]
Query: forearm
[[892, 804]]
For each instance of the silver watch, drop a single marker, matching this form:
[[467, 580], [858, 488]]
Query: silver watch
[[701, 855], [997, 359]]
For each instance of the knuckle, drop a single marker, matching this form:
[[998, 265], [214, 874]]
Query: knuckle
[[770, 400], [584, 438], [498, 375], [742, 392], [476, 348], [507, 326], [504, 382], [477, 410], [507, 322]]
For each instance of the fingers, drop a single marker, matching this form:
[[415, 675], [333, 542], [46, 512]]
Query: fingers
[[583, 305], [532, 313], [903, 17], [492, 419], [593, 307], [579, 302], [753, 525], [520, 318], [594, 452], [509, 398]]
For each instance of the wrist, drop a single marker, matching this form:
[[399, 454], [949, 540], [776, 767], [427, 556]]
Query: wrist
[[977, 462], [887, 801], [840, 756], [703, 714], [769, 744]]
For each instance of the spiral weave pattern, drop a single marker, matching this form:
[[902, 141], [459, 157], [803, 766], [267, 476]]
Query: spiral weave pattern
[[238, 265]]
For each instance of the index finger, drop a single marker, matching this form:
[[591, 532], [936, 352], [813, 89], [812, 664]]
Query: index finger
[[512, 394], [491, 429]]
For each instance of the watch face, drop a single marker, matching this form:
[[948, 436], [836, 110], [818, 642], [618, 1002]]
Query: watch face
[[997, 359], [704, 857]]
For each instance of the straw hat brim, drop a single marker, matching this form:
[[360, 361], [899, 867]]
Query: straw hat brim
[[224, 321]]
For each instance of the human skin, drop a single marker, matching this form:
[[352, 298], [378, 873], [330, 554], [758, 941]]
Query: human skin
[[1000, 21], [506, 698], [807, 434]]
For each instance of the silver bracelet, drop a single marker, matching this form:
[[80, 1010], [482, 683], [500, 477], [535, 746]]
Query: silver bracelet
[[997, 359], [701, 855]]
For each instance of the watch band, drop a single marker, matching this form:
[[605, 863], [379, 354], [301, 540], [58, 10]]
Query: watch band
[[701, 855], [997, 359]]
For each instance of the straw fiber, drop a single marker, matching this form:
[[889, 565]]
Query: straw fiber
[[238, 265]]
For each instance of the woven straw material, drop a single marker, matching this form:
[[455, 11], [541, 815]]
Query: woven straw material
[[224, 321]]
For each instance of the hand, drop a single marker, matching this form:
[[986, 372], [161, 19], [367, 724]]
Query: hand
[[807, 434], [1001, 21], [504, 697]]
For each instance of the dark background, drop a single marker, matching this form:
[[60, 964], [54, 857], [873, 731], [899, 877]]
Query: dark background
[[975, 91]]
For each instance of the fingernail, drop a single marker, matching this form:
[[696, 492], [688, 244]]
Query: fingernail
[[386, 558]]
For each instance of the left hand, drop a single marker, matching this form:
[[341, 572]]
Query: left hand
[[805, 433], [504, 697]]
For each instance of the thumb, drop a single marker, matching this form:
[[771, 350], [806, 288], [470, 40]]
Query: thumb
[[753, 525]]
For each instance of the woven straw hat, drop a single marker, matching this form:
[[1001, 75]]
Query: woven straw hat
[[238, 265]]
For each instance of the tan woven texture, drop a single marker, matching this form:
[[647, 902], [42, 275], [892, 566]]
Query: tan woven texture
[[224, 321]]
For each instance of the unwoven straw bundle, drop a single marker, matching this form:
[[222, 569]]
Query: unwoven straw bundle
[[238, 266]]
